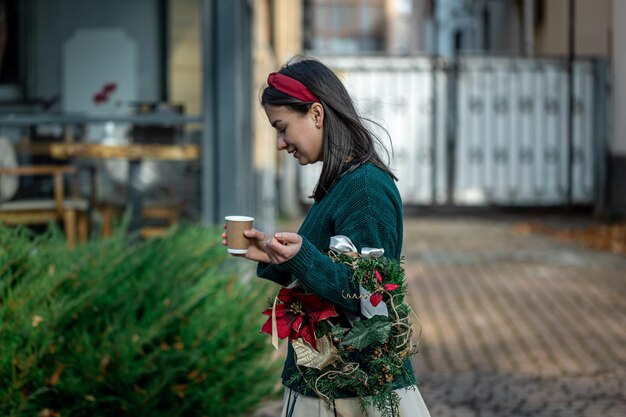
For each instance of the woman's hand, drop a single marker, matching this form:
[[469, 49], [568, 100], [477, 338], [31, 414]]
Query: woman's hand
[[274, 249], [256, 250], [279, 248]]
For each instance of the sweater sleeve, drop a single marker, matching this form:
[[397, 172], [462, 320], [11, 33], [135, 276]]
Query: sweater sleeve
[[272, 272], [324, 277], [369, 220]]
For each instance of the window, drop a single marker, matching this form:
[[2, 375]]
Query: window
[[10, 59], [344, 26]]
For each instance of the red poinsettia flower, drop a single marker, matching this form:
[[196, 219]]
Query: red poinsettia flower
[[376, 298], [297, 314], [378, 276]]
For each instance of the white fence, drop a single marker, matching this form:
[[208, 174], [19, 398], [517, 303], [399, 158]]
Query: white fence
[[481, 130]]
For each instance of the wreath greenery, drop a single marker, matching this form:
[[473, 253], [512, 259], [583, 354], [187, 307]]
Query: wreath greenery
[[362, 355]]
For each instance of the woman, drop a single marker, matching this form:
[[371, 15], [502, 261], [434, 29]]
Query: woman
[[355, 196]]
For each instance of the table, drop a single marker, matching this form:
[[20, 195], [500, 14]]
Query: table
[[135, 154]]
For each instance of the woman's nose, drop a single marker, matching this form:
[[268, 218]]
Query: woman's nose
[[281, 144]]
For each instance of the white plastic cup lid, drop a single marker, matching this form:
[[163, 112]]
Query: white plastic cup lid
[[239, 219]]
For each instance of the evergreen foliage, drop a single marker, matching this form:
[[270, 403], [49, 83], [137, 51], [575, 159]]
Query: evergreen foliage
[[371, 352], [163, 327]]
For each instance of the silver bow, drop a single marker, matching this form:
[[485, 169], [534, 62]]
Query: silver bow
[[343, 244]]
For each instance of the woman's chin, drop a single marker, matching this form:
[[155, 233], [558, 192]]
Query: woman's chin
[[306, 161]]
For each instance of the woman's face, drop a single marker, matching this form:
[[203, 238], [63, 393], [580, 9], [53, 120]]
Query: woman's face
[[299, 134]]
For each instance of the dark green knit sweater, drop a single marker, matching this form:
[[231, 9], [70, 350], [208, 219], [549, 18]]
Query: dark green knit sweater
[[365, 206]]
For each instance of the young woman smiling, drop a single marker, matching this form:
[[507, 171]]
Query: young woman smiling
[[355, 196]]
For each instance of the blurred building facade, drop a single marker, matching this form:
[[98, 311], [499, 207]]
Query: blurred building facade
[[277, 38], [617, 154], [352, 27], [446, 27], [562, 31], [195, 56], [518, 27], [213, 57]]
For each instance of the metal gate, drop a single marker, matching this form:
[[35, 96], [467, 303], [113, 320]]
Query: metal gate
[[483, 130]]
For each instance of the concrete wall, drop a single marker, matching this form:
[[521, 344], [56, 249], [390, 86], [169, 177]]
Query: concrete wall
[[53, 22], [592, 22], [504, 27], [618, 143], [281, 23], [593, 33], [184, 61], [402, 31], [287, 28], [265, 154], [617, 167]]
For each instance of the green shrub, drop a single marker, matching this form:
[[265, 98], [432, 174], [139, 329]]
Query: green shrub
[[157, 328]]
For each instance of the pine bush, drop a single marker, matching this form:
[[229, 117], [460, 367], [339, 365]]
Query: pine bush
[[116, 327]]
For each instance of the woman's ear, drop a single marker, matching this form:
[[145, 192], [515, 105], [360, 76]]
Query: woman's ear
[[317, 111]]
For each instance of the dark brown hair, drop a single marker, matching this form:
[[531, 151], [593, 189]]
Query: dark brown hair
[[346, 138]]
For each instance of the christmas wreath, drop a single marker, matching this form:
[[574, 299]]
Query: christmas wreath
[[339, 352]]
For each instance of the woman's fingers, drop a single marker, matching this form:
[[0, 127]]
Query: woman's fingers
[[224, 242], [275, 249], [286, 238], [255, 235], [283, 246], [256, 250]]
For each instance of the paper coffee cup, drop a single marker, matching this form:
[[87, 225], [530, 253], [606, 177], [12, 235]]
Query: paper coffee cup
[[235, 226]]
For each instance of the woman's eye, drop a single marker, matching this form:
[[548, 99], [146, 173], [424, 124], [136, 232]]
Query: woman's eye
[[282, 130]]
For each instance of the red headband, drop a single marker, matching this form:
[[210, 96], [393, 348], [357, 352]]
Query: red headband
[[292, 87]]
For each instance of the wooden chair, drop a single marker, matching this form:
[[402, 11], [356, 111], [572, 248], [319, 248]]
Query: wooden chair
[[71, 210], [163, 214]]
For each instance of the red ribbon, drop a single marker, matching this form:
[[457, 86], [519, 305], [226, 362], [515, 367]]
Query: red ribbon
[[292, 87]]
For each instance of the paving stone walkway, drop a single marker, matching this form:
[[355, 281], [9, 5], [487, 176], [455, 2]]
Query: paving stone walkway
[[514, 325]]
